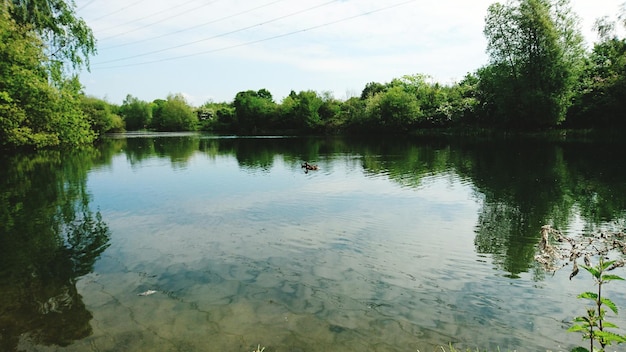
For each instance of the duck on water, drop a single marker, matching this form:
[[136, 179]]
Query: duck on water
[[308, 166]]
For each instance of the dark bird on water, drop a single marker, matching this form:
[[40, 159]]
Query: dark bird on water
[[308, 166]]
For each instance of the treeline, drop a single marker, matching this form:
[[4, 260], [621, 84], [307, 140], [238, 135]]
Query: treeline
[[539, 76], [401, 105]]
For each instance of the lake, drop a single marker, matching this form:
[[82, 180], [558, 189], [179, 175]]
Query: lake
[[192, 242]]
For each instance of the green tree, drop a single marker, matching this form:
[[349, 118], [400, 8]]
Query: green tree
[[535, 51], [286, 112], [69, 41], [394, 110], [302, 111], [600, 100], [372, 89], [23, 107], [254, 110], [330, 106], [39, 103], [157, 109], [32, 112], [137, 113], [101, 116], [176, 115], [225, 116], [352, 114], [216, 116], [329, 111], [307, 114], [463, 102]]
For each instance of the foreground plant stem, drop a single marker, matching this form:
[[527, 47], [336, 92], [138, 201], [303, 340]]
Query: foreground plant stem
[[553, 257]]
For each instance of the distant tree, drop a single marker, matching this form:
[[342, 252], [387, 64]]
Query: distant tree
[[157, 110], [465, 100], [137, 113], [352, 114], [100, 115], [254, 110], [394, 110], [372, 89], [215, 116], [225, 114], [287, 112], [176, 115], [265, 94], [329, 109], [301, 111], [535, 51], [601, 98], [308, 105]]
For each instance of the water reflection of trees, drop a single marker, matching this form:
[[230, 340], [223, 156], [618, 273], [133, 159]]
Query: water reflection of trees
[[49, 237], [597, 180], [259, 153], [521, 184]]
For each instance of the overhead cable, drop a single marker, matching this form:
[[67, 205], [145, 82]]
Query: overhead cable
[[116, 11], [85, 5], [153, 23], [192, 27], [218, 35], [259, 40]]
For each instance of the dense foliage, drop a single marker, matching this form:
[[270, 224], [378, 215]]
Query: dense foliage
[[401, 105], [539, 76], [69, 41], [101, 115], [533, 63], [40, 43], [175, 115], [137, 114]]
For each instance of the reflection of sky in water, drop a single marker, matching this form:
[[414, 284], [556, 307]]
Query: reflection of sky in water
[[330, 260]]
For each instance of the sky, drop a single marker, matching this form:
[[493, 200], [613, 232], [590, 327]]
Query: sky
[[209, 50]]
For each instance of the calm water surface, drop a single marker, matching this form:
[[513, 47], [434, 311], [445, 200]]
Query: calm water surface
[[398, 245]]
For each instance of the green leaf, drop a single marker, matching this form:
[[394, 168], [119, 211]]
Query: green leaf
[[611, 277], [609, 337], [593, 271], [588, 295], [607, 302], [607, 324], [575, 328], [605, 265], [581, 319]]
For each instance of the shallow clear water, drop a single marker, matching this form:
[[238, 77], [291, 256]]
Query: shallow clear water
[[400, 248]]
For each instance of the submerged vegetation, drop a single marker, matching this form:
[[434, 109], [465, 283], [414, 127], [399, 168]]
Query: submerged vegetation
[[539, 76]]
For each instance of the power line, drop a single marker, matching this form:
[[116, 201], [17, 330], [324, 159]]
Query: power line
[[148, 16], [192, 27], [264, 39], [153, 23], [116, 11], [219, 35], [87, 4]]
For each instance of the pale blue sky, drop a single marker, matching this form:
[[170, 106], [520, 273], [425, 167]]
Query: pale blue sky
[[212, 49]]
